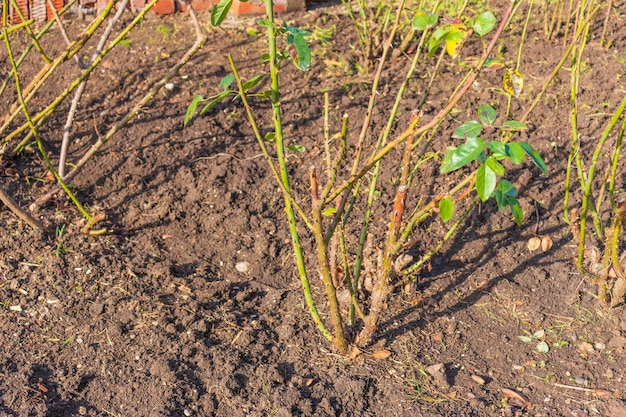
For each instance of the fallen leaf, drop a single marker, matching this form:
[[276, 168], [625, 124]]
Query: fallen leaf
[[515, 398], [585, 348], [542, 347], [483, 285], [437, 336], [381, 354], [478, 380], [546, 243], [354, 353], [601, 392], [437, 372], [533, 243]]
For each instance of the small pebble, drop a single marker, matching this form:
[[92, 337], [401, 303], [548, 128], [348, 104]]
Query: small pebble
[[15, 308], [243, 266], [600, 346], [581, 381], [82, 410], [187, 412], [169, 86]]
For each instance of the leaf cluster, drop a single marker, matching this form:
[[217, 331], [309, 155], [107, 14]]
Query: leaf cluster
[[451, 33], [489, 156]]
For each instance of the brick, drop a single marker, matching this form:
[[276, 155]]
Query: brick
[[164, 7]]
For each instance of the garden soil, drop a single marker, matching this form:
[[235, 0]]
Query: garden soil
[[191, 305]]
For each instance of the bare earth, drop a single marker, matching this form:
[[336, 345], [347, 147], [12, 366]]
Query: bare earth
[[155, 320]]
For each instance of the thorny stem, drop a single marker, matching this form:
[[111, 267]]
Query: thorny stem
[[57, 19], [28, 49], [519, 54], [370, 107], [615, 163], [590, 175], [29, 30], [324, 265], [261, 142], [284, 177], [44, 74], [81, 88], [557, 68], [428, 256], [200, 41], [33, 128], [609, 6], [381, 290], [434, 121]]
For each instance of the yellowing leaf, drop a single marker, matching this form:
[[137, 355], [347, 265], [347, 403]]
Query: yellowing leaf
[[454, 39], [492, 65], [513, 82]]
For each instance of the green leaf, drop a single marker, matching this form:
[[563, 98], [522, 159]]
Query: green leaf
[[220, 11], [252, 82], [329, 212], [507, 188], [539, 334], [515, 152], [484, 23], [438, 37], [471, 129], [299, 51], [424, 20], [227, 81], [513, 125], [542, 347], [296, 30], [495, 166], [264, 22], [217, 99], [534, 155], [525, 339], [296, 148], [456, 158], [270, 136], [191, 110], [500, 199], [487, 114], [485, 182], [518, 214], [497, 148], [446, 208]]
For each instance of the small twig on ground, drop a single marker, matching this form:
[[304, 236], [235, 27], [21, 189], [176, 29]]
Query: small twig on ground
[[15, 208], [227, 154]]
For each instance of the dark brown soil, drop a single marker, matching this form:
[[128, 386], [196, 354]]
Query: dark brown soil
[[155, 320]]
